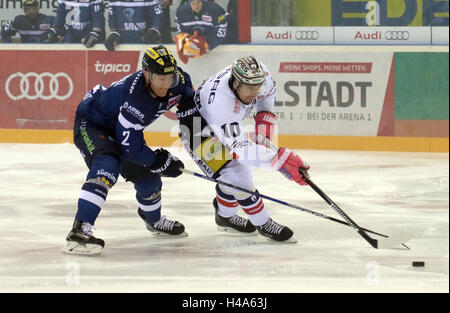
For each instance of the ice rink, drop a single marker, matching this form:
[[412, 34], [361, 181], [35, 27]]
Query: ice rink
[[385, 192]]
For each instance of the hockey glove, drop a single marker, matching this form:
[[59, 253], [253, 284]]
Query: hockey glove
[[265, 123], [289, 164], [180, 41], [6, 37], [50, 36], [166, 164], [195, 46], [152, 35], [112, 41], [90, 39]]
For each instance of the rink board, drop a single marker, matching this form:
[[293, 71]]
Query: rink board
[[400, 144], [345, 98]]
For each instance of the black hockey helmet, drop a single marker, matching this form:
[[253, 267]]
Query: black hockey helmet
[[160, 60], [30, 4]]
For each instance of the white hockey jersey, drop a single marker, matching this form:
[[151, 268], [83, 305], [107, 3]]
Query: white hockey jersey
[[225, 113]]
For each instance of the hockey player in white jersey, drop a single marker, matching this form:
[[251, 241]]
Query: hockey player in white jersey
[[213, 134]]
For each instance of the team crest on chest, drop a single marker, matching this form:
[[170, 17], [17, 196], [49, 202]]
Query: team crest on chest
[[173, 101], [207, 18]]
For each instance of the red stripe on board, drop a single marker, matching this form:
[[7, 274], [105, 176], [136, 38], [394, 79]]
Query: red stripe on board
[[387, 123], [244, 20]]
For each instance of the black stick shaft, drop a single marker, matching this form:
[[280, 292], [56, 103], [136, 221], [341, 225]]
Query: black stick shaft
[[334, 206]]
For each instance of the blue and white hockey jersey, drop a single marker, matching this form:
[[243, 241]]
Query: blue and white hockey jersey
[[131, 17], [30, 31], [211, 21], [126, 108], [76, 18]]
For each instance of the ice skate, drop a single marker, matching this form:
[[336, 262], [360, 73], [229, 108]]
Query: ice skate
[[164, 228], [81, 240], [276, 232], [235, 224]]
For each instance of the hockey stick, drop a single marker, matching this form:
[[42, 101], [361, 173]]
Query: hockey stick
[[334, 206], [276, 200], [373, 242]]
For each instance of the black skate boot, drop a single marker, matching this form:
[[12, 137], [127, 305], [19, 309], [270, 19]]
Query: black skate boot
[[234, 224], [276, 232], [164, 227], [81, 240]]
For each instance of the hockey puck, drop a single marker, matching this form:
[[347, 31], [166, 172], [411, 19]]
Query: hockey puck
[[418, 264]]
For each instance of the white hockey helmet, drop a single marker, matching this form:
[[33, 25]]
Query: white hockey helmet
[[248, 71]]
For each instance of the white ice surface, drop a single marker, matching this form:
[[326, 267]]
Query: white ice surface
[[385, 192]]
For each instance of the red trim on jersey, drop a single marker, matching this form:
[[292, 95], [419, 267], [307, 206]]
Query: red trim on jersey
[[227, 203]]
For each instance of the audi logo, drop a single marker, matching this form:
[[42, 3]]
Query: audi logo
[[397, 35], [307, 35], [39, 88]]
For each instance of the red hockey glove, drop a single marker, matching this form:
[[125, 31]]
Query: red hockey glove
[[265, 124], [195, 46], [180, 41], [289, 164]]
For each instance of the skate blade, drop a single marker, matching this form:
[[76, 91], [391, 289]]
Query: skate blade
[[161, 235], [291, 240], [79, 249], [230, 230]]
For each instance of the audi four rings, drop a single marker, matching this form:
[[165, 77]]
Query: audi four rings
[[397, 35], [307, 35], [24, 85]]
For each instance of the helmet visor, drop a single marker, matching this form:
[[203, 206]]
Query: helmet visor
[[165, 81]]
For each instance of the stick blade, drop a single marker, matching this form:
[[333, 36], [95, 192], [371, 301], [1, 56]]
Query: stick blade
[[370, 240], [399, 236], [394, 241]]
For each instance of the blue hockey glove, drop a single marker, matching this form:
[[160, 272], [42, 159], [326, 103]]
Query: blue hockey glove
[[112, 41], [152, 35], [49, 36], [90, 39]]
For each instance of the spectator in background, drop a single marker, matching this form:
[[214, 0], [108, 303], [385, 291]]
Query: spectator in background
[[233, 32], [134, 22], [166, 35], [186, 1], [33, 27], [80, 21], [202, 26]]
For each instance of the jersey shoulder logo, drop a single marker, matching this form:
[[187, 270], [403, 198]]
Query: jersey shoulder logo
[[207, 18]]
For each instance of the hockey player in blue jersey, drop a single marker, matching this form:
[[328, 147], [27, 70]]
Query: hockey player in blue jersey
[[80, 21], [202, 26], [134, 21], [33, 27], [108, 131]]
